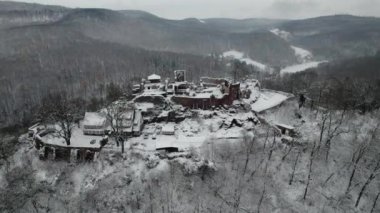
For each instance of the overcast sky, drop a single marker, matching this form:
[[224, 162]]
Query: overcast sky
[[179, 9]]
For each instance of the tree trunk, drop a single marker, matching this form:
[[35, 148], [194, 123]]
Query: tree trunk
[[310, 171], [374, 203], [369, 180], [122, 145], [362, 191], [68, 141], [294, 168], [261, 200], [351, 179], [328, 146]]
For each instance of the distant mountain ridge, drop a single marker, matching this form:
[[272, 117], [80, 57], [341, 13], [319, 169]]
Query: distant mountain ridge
[[144, 30], [339, 36], [18, 6], [15, 14], [47, 48], [328, 37]]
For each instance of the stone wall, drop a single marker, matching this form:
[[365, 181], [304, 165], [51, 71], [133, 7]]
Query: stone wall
[[207, 103]]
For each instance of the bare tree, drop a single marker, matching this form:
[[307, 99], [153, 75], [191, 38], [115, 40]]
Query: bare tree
[[375, 172], [374, 202], [248, 143], [322, 127], [59, 110], [311, 159], [321, 91], [115, 113], [333, 130], [294, 167], [288, 151], [261, 200], [359, 154], [271, 150], [356, 157], [7, 148]]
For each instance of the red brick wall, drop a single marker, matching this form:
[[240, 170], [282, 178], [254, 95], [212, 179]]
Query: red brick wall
[[206, 103]]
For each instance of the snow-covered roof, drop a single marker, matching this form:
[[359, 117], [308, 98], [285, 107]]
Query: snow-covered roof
[[78, 139], [94, 119], [284, 126], [166, 142], [154, 77], [168, 128], [268, 99]]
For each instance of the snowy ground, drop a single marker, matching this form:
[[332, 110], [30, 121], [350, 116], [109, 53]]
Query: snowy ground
[[193, 133], [210, 179], [241, 56], [229, 163]]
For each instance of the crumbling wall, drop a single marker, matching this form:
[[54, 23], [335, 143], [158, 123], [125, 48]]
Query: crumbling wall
[[207, 103]]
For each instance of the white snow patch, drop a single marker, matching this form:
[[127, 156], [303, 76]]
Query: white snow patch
[[201, 21], [240, 56], [301, 67], [302, 54], [281, 33]]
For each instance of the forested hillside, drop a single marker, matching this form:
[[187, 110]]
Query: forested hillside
[[81, 51], [336, 37], [350, 83], [83, 69], [49, 48]]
